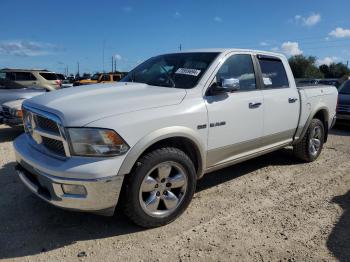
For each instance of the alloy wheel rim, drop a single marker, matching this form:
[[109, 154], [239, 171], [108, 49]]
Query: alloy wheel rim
[[163, 189], [315, 140]]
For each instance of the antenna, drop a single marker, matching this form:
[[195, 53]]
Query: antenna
[[103, 56]]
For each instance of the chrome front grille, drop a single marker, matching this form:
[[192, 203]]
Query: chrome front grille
[[6, 112], [47, 124], [45, 132], [53, 145]]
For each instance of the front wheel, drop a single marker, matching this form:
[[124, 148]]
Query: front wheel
[[310, 146], [160, 188]]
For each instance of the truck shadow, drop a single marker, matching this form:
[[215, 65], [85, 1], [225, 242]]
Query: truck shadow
[[280, 158], [338, 241], [340, 130], [30, 226], [8, 134]]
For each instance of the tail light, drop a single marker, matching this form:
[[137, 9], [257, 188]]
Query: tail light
[[59, 83]]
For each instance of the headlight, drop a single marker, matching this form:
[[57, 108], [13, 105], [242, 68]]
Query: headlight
[[16, 112], [96, 142]]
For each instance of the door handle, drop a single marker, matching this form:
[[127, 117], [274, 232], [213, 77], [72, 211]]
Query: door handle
[[292, 100], [254, 105]]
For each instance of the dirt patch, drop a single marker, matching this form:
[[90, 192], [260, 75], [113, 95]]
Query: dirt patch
[[269, 208]]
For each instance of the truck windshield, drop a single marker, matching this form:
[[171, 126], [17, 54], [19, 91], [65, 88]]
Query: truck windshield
[[182, 70], [345, 88]]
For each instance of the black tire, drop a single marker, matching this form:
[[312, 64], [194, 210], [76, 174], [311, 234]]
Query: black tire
[[144, 165], [301, 149]]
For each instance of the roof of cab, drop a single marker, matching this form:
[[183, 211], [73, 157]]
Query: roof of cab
[[229, 50]]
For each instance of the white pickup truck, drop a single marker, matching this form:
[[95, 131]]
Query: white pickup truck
[[147, 139]]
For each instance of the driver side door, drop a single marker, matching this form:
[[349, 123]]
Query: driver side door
[[235, 119]]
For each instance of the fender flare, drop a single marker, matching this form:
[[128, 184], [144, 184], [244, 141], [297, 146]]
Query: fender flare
[[308, 121], [168, 132]]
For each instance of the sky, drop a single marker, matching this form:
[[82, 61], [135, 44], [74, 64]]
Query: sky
[[56, 35]]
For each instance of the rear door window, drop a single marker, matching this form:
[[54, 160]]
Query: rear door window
[[273, 72], [49, 76]]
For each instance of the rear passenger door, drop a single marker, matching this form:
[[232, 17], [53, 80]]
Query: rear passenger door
[[281, 104]]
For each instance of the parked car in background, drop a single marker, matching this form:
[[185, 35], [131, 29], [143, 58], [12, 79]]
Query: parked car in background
[[12, 113], [306, 82], [171, 120], [329, 82], [30, 78], [100, 78], [17, 92], [343, 108], [324, 81], [66, 83]]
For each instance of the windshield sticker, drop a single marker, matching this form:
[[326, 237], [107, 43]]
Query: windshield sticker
[[267, 81], [188, 71]]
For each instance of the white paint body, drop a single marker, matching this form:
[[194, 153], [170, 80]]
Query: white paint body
[[143, 114]]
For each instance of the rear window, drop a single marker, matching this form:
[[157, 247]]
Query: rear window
[[60, 76], [49, 76], [345, 88], [273, 73]]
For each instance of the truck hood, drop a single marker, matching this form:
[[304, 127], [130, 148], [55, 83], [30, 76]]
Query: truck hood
[[78, 106]]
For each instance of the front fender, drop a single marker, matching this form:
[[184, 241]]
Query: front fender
[[176, 131]]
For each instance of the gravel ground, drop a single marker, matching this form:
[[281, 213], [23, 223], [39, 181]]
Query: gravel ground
[[267, 209]]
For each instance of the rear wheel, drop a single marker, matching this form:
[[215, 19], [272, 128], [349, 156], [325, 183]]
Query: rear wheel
[[160, 188], [310, 147]]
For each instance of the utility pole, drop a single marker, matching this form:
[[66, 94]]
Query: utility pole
[[115, 65], [112, 62], [180, 47], [78, 68], [103, 56]]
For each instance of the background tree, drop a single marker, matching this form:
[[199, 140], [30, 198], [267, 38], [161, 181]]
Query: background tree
[[335, 70], [305, 67]]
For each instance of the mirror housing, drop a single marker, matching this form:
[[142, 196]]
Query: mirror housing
[[226, 85]]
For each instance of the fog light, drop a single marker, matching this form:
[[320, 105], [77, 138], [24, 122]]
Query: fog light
[[74, 189]]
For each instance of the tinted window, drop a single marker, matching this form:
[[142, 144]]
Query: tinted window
[[182, 70], [238, 69], [116, 78], [49, 76], [345, 88], [60, 76], [273, 73], [105, 78], [24, 76]]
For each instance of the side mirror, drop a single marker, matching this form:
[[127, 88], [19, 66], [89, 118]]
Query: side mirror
[[226, 85]]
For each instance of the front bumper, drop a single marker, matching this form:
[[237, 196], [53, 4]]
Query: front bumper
[[39, 172], [14, 122]]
